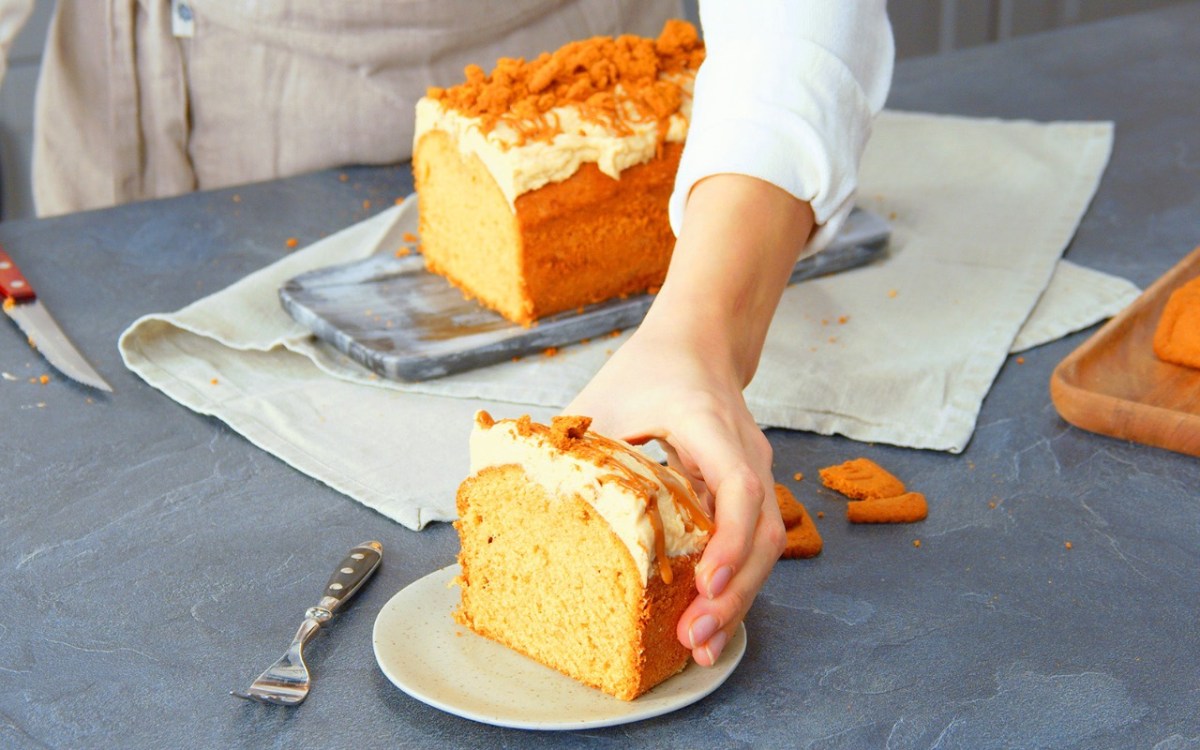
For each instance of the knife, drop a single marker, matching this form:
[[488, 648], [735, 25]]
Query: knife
[[22, 305]]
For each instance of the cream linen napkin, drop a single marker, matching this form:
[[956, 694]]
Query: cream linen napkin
[[901, 352]]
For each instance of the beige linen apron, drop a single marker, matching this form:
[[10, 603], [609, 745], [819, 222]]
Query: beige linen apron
[[149, 98]]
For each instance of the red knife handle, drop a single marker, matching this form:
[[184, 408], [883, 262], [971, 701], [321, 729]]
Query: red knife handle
[[13, 285]]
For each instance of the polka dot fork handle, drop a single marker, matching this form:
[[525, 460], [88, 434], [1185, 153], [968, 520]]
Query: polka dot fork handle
[[287, 681], [351, 574]]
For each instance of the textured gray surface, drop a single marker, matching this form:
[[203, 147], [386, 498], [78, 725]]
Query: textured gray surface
[[152, 559]]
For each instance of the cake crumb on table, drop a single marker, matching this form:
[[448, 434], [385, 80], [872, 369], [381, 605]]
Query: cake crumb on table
[[892, 293], [292, 242], [409, 237], [798, 476], [1068, 545], [44, 379], [916, 542]]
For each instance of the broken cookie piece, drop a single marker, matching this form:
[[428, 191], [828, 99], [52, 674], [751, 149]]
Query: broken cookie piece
[[803, 539], [862, 479], [906, 508]]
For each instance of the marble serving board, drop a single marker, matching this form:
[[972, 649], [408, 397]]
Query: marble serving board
[[392, 316]]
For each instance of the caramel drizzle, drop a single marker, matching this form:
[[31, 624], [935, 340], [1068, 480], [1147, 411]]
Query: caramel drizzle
[[694, 515], [570, 434]]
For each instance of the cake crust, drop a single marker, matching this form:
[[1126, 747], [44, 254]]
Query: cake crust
[[567, 245]]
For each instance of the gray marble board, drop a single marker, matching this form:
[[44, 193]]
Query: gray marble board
[[420, 327]]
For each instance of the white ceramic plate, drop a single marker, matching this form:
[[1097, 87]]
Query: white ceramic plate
[[437, 661]]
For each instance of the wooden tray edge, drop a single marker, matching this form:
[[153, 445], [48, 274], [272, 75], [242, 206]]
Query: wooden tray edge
[[1080, 406]]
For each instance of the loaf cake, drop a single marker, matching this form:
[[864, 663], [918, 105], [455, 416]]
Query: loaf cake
[[543, 185], [577, 551]]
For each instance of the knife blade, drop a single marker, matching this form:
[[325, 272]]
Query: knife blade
[[22, 305]]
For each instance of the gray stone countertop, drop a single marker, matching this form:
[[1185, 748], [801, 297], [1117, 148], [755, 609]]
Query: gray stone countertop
[[152, 559]]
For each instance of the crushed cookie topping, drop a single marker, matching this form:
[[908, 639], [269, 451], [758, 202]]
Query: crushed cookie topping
[[614, 82], [566, 430]]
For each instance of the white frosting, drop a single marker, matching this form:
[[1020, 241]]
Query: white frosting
[[519, 168], [565, 475]]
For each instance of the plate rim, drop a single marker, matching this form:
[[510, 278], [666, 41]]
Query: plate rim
[[727, 664]]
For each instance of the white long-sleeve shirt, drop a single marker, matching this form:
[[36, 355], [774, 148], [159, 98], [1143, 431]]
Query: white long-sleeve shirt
[[137, 102], [787, 93]]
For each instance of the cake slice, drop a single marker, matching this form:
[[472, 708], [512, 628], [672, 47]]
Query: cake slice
[[577, 551], [543, 185]]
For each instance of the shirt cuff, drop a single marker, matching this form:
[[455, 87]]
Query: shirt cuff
[[796, 118]]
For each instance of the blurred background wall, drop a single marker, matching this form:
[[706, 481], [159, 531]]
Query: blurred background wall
[[922, 27]]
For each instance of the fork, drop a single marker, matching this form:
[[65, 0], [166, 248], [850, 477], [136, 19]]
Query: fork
[[287, 681]]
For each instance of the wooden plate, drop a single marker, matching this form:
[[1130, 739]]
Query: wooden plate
[[1113, 383]]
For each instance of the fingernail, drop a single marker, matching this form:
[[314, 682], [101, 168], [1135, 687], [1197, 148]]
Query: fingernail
[[719, 580], [715, 646], [702, 629]]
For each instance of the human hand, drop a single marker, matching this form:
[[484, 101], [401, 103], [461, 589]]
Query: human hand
[[679, 379], [665, 387]]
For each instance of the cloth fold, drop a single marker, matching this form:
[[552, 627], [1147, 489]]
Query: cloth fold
[[902, 351]]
